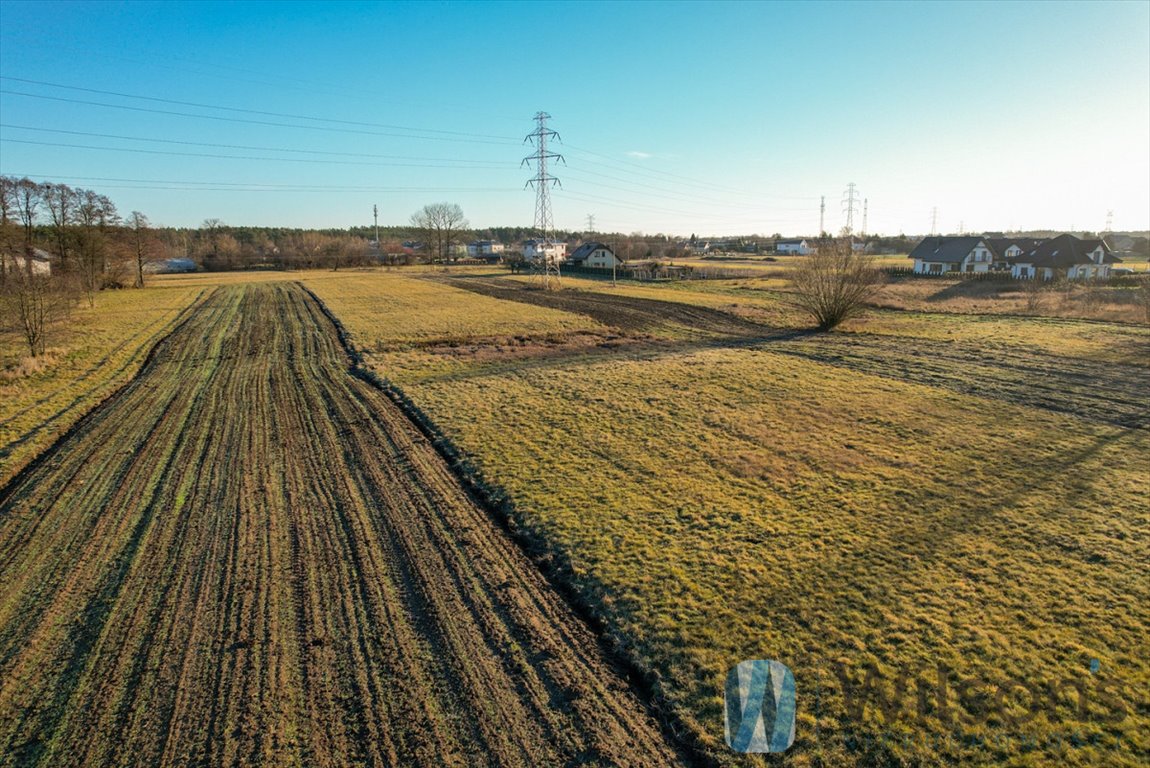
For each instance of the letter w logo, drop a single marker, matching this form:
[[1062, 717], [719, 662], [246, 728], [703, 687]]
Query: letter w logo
[[760, 707]]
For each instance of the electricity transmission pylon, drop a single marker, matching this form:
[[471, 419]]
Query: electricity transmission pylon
[[850, 203], [546, 262]]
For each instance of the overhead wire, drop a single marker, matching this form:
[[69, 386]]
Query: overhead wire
[[243, 110], [493, 163], [221, 118]]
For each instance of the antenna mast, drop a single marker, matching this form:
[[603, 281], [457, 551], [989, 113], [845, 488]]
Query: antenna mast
[[546, 255]]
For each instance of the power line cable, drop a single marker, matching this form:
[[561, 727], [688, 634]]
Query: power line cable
[[172, 153], [492, 163], [243, 120], [254, 111]]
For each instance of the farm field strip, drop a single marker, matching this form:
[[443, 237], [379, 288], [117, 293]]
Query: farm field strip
[[1005, 373], [250, 555], [107, 344], [894, 499]]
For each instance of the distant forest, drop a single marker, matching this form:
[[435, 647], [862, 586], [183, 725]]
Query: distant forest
[[84, 229]]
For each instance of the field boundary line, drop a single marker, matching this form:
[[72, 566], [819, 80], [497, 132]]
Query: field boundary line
[[36, 461], [552, 563]]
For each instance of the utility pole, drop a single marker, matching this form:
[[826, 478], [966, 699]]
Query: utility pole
[[934, 220], [375, 213], [850, 199], [546, 261], [822, 215]]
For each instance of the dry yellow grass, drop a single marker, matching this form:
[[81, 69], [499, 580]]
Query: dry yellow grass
[[91, 353], [721, 504]]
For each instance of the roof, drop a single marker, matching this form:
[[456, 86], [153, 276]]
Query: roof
[[946, 249], [1065, 251], [584, 251], [1001, 244], [795, 241]]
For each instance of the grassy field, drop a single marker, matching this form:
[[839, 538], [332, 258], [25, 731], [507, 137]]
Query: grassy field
[[924, 489], [947, 489], [252, 557], [90, 354]]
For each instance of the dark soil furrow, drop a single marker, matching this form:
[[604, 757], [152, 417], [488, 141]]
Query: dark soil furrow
[[250, 556]]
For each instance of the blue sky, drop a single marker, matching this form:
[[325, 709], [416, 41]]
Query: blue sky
[[712, 118]]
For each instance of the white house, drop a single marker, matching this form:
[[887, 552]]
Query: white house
[[481, 248], [595, 255], [1067, 256], [798, 247], [549, 250], [40, 261], [937, 255]]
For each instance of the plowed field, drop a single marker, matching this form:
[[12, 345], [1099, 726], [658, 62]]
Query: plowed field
[[250, 556]]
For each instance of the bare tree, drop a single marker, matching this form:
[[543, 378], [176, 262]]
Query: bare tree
[[1035, 292], [61, 201], [142, 243], [1142, 297], [31, 302], [7, 223], [95, 215], [834, 284], [439, 223], [28, 195]]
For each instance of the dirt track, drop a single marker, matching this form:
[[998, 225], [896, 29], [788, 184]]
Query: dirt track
[[622, 312], [252, 557]]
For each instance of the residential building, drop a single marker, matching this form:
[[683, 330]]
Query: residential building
[[484, 248], [594, 255], [550, 250], [1065, 256], [938, 255], [796, 247]]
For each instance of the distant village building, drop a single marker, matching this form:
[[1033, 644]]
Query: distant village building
[[484, 248], [40, 262], [1065, 256], [936, 255], [170, 266], [551, 250], [594, 255], [1026, 258], [793, 247]]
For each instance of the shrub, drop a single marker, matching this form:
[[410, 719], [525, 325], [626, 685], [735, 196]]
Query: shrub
[[835, 283]]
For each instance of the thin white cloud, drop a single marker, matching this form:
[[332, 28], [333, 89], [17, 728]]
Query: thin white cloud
[[639, 155]]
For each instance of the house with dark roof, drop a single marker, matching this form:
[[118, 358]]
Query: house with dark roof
[[595, 255], [1064, 256], [1010, 248], [938, 255]]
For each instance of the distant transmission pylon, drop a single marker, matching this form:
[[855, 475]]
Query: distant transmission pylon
[[850, 199], [590, 223], [822, 215], [934, 220], [546, 262], [1109, 222], [865, 201]]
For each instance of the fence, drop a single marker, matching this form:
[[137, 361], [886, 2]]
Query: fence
[[903, 273]]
